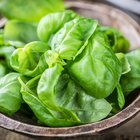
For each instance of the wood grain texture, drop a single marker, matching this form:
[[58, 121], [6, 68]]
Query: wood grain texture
[[128, 131]]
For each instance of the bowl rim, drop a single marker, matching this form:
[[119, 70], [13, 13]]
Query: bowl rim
[[87, 129]]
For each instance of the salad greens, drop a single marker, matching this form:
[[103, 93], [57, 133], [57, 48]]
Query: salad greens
[[20, 35], [68, 69], [10, 97], [49, 24], [102, 65], [25, 10], [116, 40], [131, 80], [30, 59], [71, 39]]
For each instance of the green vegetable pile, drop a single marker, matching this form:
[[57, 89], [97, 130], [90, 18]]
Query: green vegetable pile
[[68, 69]]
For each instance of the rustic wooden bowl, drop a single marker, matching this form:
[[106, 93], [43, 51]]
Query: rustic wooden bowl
[[107, 15]]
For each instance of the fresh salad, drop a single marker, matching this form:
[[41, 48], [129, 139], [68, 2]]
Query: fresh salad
[[62, 68]]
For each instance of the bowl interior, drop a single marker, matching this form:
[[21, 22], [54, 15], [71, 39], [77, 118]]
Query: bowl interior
[[108, 16]]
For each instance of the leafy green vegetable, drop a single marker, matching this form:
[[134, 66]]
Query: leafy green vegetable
[[5, 53], [45, 115], [70, 40], [20, 32], [63, 95], [121, 99], [124, 61], [71, 96], [116, 40], [46, 92], [1, 37], [10, 98], [73, 75], [131, 80], [2, 70], [51, 23], [25, 10], [117, 99], [29, 60], [96, 69]]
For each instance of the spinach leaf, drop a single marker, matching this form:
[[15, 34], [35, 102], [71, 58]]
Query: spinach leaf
[[58, 92], [70, 40], [46, 116], [64, 95], [131, 80], [117, 99], [121, 99], [32, 84], [10, 98], [5, 54], [2, 70], [18, 33], [72, 76], [71, 96], [30, 60], [46, 92], [116, 40], [51, 23], [25, 10], [96, 69], [124, 62], [1, 37]]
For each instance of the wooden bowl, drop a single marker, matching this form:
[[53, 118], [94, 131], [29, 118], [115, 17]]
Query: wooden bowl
[[107, 15]]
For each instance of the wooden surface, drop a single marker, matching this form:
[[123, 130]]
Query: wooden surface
[[128, 131]]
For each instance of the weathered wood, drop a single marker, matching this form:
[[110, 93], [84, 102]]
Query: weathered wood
[[107, 16], [128, 131]]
